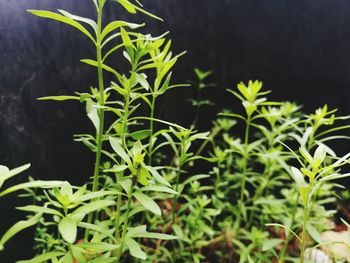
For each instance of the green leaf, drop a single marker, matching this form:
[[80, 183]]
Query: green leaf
[[94, 63], [202, 74], [143, 176], [117, 24], [68, 258], [306, 155], [304, 193], [93, 206], [117, 168], [98, 194], [314, 233], [271, 243], [116, 146], [155, 236], [97, 228], [88, 21], [68, 229], [207, 229], [178, 231], [5, 173], [59, 98], [148, 203], [18, 170], [158, 188], [160, 179], [43, 257], [18, 227], [165, 85], [126, 39], [128, 6], [40, 209], [298, 177], [34, 184], [126, 185], [133, 9], [136, 230], [63, 19], [93, 115], [99, 246], [135, 249], [140, 135], [142, 79]]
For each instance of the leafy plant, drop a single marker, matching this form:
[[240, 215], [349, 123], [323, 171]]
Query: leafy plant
[[164, 193]]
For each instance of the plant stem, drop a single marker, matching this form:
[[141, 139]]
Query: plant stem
[[215, 131], [288, 235], [101, 113], [178, 181], [151, 127], [124, 130], [195, 120], [244, 171], [304, 234], [260, 190], [125, 226], [176, 196]]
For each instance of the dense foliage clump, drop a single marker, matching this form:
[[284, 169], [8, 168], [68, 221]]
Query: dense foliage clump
[[164, 193]]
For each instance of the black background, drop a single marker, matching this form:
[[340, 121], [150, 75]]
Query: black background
[[300, 49]]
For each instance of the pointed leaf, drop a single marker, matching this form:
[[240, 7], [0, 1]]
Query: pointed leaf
[[135, 249], [63, 19], [148, 203]]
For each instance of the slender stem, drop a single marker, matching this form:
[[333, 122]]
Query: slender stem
[[260, 191], [246, 134], [124, 130], [176, 196], [215, 131], [195, 120], [288, 235], [244, 171], [125, 226], [178, 181], [304, 234], [101, 113], [151, 127]]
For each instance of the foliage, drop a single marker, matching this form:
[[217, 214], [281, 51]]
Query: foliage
[[163, 193]]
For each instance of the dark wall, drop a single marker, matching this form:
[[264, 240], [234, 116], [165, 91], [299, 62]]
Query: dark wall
[[299, 49]]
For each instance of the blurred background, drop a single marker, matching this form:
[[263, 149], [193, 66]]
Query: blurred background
[[299, 49]]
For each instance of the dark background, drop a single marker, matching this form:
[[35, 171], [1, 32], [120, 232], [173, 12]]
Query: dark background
[[299, 48]]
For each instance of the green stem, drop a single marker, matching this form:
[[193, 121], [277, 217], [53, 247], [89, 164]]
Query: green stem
[[176, 196], [288, 235], [151, 127], [101, 113], [259, 191], [244, 171], [124, 130], [304, 234], [195, 120], [178, 181], [215, 131], [125, 226]]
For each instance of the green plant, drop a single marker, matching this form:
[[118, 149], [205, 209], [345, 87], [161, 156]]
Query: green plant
[[163, 193], [106, 209], [5, 174]]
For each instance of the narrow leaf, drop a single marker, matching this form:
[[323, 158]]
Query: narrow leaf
[[148, 203], [63, 19]]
